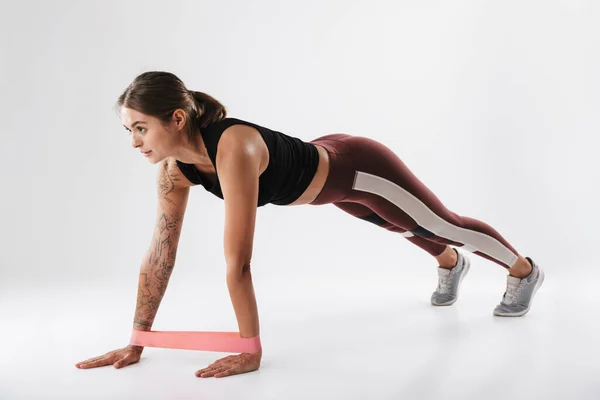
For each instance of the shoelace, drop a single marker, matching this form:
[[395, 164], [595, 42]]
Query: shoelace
[[513, 291], [444, 284]]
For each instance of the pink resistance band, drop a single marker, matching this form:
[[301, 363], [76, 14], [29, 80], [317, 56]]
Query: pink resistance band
[[227, 342]]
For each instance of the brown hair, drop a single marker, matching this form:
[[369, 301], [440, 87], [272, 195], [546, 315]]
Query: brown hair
[[159, 94]]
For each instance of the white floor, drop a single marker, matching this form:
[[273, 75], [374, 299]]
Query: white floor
[[357, 338]]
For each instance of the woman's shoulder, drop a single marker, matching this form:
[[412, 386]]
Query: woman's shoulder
[[229, 121], [175, 173], [236, 128]]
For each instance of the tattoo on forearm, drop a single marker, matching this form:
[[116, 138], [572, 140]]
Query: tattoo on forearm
[[161, 260], [164, 272], [153, 283]]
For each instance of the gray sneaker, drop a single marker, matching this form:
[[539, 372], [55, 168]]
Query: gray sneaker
[[519, 292], [449, 281]]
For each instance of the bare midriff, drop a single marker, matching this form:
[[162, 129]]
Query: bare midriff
[[311, 192], [318, 181]]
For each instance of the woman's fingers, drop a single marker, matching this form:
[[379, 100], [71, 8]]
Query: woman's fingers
[[231, 370], [97, 361], [218, 366], [118, 358], [211, 371], [205, 370], [231, 365]]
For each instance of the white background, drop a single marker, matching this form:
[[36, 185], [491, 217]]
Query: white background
[[494, 106]]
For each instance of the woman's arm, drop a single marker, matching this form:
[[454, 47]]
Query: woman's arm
[[157, 265], [241, 158], [173, 190]]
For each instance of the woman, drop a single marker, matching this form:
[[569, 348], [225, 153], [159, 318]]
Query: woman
[[249, 166]]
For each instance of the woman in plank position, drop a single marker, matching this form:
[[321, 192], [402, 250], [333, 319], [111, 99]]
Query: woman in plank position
[[248, 166]]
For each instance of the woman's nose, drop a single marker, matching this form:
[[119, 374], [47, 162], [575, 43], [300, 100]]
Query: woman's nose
[[135, 143]]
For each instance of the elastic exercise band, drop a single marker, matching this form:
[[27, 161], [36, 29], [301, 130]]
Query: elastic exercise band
[[227, 342]]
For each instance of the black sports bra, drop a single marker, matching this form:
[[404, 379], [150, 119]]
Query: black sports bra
[[292, 164]]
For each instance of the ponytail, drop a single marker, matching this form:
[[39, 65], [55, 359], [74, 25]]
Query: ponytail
[[209, 109]]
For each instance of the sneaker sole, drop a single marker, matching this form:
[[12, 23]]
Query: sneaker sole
[[535, 289], [465, 272]]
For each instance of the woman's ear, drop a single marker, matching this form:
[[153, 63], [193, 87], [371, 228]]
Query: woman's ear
[[179, 119]]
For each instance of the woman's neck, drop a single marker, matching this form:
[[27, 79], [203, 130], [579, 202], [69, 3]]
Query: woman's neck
[[195, 152]]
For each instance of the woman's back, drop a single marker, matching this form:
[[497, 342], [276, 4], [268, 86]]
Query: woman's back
[[292, 163]]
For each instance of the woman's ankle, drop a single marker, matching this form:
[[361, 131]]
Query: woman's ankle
[[448, 259], [521, 269]]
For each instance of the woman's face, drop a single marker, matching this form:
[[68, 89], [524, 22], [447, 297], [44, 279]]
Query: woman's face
[[149, 134]]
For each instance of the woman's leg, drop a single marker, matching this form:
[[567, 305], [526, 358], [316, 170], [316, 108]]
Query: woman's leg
[[446, 257], [365, 171]]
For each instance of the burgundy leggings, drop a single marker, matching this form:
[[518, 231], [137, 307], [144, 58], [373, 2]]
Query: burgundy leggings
[[369, 181]]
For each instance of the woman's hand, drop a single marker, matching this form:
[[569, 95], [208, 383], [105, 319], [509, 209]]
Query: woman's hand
[[232, 365], [118, 358]]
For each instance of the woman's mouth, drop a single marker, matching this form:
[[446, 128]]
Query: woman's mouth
[[147, 153]]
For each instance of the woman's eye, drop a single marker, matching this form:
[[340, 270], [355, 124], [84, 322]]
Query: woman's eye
[[141, 129]]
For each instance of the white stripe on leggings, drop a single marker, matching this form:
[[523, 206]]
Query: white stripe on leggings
[[417, 210]]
